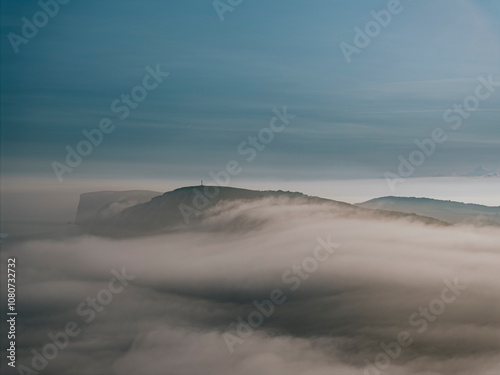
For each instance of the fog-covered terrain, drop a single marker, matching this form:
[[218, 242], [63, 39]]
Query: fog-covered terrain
[[115, 214], [103, 204], [452, 212], [261, 283]]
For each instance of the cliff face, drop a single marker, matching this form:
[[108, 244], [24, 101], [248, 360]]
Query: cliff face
[[108, 203]]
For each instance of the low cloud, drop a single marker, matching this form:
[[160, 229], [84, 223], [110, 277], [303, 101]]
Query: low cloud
[[190, 288]]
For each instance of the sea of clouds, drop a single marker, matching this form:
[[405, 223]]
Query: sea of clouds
[[191, 290]]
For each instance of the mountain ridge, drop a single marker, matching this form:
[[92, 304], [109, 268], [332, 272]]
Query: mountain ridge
[[450, 211], [186, 207]]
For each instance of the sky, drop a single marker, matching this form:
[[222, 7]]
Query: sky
[[226, 75]]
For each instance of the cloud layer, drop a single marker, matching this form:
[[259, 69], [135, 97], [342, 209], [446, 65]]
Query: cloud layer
[[191, 288]]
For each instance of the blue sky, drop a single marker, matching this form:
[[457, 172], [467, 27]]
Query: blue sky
[[353, 120]]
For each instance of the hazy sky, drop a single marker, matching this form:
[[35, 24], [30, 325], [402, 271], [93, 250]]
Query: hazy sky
[[353, 119]]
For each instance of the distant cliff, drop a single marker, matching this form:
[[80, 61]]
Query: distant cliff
[[108, 203]]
